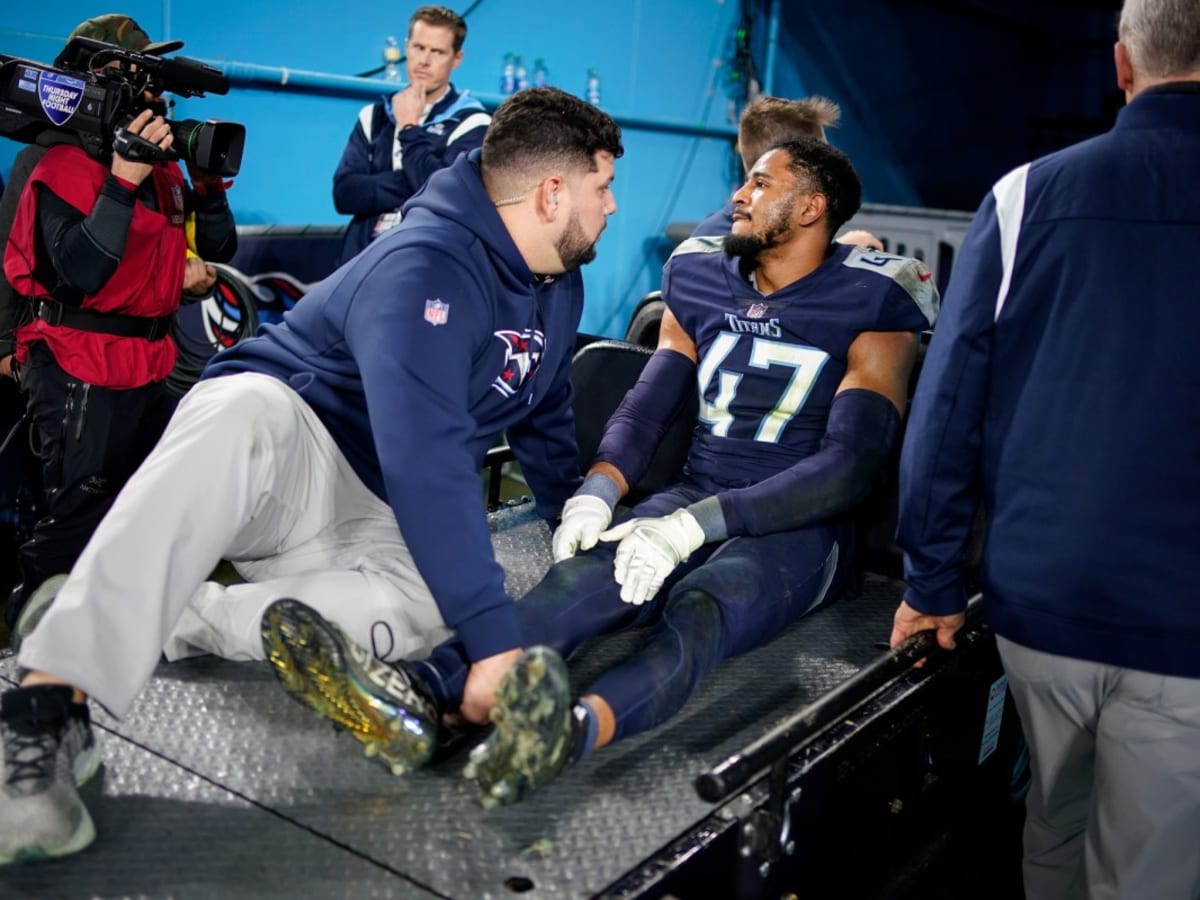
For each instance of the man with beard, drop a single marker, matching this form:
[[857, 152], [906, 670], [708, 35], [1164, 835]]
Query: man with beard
[[801, 350], [765, 122], [336, 457]]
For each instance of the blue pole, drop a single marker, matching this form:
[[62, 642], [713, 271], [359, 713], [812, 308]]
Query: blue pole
[[772, 49], [282, 78]]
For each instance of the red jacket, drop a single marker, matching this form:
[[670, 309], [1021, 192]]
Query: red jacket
[[148, 281]]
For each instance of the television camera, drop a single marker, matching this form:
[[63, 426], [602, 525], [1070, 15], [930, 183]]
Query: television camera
[[91, 104]]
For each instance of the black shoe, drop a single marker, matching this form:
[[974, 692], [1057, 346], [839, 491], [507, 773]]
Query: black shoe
[[48, 750], [537, 733], [384, 706]]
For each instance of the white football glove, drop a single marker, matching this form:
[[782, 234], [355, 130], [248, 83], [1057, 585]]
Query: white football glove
[[584, 516], [649, 551]]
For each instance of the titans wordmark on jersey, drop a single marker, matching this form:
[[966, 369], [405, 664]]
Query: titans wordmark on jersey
[[769, 365]]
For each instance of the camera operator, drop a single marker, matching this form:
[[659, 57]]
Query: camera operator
[[101, 254]]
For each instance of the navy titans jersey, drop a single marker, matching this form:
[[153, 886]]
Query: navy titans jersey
[[769, 365]]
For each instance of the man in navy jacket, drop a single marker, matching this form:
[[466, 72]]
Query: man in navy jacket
[[336, 457], [1059, 392], [402, 139]]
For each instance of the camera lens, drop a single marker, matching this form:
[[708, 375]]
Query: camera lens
[[210, 146]]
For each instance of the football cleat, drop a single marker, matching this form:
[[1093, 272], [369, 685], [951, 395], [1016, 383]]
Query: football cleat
[[536, 733], [384, 706]]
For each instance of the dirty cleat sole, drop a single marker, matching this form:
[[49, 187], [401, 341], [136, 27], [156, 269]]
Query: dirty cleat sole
[[532, 740], [318, 666]]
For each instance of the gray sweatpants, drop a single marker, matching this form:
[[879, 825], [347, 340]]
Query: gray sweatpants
[[1114, 807], [245, 472]]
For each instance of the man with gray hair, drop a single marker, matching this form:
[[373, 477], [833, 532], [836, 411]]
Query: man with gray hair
[[1060, 392]]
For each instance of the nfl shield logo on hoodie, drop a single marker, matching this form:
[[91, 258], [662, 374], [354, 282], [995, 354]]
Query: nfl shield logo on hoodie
[[436, 312]]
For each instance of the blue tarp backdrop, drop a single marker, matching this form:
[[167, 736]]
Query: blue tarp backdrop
[[936, 105], [656, 61]]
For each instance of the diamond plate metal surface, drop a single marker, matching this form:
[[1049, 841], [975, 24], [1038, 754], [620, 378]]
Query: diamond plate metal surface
[[165, 832], [225, 787]]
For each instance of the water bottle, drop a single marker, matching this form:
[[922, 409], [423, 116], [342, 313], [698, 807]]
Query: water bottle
[[540, 77], [522, 74], [391, 59], [508, 75], [593, 87]]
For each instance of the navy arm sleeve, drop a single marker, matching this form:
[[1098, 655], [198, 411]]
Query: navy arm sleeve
[[416, 380], [940, 460], [636, 427], [858, 439]]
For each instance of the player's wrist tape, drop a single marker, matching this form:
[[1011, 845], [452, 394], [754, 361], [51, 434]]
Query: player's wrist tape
[[708, 514], [598, 485]]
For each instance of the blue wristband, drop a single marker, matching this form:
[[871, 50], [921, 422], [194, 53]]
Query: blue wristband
[[711, 517], [601, 486]]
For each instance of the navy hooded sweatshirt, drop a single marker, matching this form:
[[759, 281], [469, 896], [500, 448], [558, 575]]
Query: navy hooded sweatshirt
[[416, 355]]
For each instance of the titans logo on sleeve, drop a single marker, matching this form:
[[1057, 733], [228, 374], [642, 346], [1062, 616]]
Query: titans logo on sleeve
[[522, 353]]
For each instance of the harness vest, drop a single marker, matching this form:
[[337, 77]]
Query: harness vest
[[147, 282]]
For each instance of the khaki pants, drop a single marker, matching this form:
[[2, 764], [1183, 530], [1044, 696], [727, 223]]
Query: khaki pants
[[245, 472], [1114, 807]]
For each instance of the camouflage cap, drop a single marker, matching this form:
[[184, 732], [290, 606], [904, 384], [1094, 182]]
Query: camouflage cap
[[122, 30]]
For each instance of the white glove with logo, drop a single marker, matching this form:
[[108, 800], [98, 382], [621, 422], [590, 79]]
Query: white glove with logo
[[650, 550], [584, 516]]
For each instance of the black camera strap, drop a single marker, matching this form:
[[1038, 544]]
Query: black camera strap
[[150, 328]]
